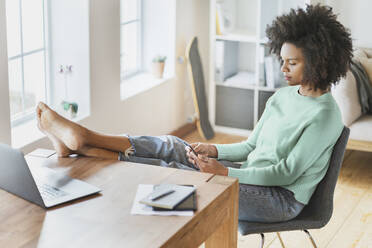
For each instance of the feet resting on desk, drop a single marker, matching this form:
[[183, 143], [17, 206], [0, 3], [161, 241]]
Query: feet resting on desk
[[71, 138]]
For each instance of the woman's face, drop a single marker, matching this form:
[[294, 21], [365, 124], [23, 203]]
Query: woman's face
[[293, 63]]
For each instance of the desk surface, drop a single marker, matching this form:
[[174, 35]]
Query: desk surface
[[104, 220]]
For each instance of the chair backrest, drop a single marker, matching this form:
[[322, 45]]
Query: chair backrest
[[321, 203]]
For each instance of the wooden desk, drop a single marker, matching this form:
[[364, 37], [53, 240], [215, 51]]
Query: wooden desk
[[104, 220]]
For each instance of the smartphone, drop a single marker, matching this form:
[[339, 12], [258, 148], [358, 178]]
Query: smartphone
[[192, 149]]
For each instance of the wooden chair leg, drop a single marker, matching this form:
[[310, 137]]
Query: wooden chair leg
[[280, 239], [311, 238]]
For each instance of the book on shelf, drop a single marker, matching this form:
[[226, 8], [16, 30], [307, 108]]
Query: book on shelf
[[225, 17], [269, 72], [219, 50], [226, 64], [261, 66], [218, 26], [273, 75], [219, 20], [241, 79]]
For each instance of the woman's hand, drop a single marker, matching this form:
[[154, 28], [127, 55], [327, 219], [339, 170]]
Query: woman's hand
[[208, 150], [206, 164]]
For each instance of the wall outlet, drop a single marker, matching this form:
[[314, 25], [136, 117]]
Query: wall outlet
[[190, 119], [64, 69]]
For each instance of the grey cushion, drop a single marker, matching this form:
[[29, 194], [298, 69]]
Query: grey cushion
[[361, 128], [318, 212], [345, 94]]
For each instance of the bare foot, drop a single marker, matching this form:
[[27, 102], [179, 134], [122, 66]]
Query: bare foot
[[61, 149], [61, 131]]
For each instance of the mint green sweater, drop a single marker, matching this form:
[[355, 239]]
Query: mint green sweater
[[290, 146]]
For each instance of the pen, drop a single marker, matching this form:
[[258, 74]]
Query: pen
[[162, 194]]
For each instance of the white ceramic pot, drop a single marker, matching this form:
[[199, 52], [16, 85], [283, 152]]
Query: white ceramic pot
[[158, 69]]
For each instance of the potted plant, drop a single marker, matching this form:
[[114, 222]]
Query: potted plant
[[158, 66], [70, 108]]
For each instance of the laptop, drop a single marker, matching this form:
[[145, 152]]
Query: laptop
[[40, 185]]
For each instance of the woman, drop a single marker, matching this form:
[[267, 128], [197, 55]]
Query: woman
[[288, 152]]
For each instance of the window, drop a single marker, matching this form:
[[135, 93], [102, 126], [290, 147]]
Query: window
[[131, 37], [152, 34], [26, 57]]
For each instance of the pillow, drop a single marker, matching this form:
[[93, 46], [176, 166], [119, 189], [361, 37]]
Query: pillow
[[359, 53], [346, 95], [367, 65], [367, 51]]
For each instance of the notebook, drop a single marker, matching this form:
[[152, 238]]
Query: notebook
[[188, 204], [169, 201]]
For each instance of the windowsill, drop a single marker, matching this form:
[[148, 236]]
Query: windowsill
[[25, 134], [28, 132], [140, 83]]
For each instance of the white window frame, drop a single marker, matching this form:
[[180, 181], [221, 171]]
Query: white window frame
[[25, 116], [139, 20]]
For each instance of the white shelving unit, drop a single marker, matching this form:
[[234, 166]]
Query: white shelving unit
[[238, 90]]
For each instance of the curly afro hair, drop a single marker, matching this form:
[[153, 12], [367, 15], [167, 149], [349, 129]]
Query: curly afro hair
[[325, 43]]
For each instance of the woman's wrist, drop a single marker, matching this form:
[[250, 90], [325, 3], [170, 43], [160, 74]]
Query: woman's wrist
[[226, 172], [213, 152]]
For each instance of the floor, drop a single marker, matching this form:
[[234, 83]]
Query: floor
[[351, 223]]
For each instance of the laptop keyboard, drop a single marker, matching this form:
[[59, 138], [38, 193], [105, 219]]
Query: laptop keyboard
[[49, 192]]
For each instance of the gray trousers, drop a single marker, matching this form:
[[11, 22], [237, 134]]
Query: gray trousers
[[256, 203]]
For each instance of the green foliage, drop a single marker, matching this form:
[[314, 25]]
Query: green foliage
[[159, 59], [73, 105]]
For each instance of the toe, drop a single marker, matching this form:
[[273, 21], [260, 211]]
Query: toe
[[42, 106], [38, 113]]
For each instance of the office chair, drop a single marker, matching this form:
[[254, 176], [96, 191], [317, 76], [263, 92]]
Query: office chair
[[318, 212]]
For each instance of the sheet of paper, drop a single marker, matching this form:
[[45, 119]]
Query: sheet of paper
[[44, 153], [142, 209]]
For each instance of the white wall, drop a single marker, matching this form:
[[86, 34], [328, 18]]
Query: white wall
[[158, 111], [192, 20], [357, 16], [4, 89], [154, 112], [159, 33], [69, 45]]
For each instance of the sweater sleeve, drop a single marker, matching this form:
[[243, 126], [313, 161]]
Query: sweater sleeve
[[238, 152], [313, 147]]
